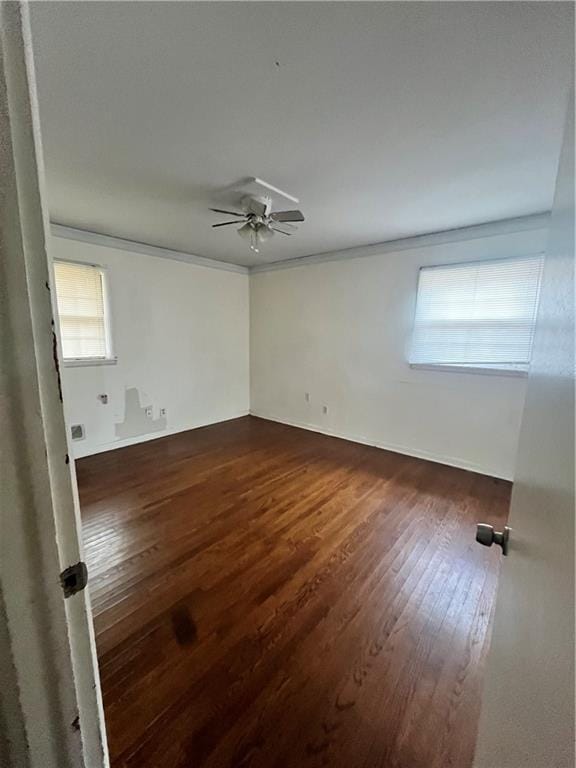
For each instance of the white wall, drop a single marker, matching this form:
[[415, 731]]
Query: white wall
[[340, 330], [181, 335]]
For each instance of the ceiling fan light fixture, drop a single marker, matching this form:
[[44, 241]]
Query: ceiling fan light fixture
[[249, 233], [246, 231], [260, 223], [264, 233]]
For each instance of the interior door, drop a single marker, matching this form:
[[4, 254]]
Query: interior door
[[50, 704], [527, 716]]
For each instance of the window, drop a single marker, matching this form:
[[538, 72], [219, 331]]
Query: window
[[477, 315], [83, 314]]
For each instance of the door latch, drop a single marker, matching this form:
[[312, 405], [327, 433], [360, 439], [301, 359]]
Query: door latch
[[486, 535], [74, 579]]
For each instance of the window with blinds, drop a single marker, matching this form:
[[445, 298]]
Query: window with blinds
[[477, 314], [82, 311]]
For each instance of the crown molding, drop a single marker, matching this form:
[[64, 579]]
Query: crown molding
[[133, 246], [490, 229]]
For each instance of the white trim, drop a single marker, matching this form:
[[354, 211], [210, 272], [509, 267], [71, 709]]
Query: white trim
[[80, 362], [540, 254], [105, 447], [105, 281], [133, 246], [469, 369], [490, 229], [426, 455]]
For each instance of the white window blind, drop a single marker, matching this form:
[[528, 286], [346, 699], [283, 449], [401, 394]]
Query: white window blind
[[479, 314], [80, 293]]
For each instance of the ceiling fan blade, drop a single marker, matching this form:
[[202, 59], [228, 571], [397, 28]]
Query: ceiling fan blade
[[281, 231], [286, 226], [287, 216], [225, 224], [231, 213]]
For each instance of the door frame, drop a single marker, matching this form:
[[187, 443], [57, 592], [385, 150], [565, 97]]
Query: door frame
[[51, 713]]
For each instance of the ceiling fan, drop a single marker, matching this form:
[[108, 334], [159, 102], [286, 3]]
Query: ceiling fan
[[258, 221]]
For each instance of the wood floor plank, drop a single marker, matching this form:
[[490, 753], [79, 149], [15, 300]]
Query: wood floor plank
[[269, 597]]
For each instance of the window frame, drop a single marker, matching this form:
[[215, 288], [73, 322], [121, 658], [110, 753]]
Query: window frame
[[482, 370], [110, 358]]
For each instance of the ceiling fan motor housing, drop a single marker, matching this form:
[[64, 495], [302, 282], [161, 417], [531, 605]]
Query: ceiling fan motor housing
[[258, 206]]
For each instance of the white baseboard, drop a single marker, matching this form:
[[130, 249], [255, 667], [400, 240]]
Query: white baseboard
[[113, 445], [418, 454]]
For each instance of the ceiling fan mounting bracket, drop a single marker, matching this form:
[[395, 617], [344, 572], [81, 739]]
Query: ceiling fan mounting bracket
[[255, 187]]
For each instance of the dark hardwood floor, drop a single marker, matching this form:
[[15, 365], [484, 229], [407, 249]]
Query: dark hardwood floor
[[269, 597]]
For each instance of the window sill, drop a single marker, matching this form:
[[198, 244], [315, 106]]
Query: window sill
[[470, 369], [88, 361]]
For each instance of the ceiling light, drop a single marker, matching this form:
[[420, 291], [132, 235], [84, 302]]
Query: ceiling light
[[250, 233], [264, 233], [246, 231], [257, 223]]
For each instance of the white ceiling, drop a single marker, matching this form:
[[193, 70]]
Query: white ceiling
[[386, 119]]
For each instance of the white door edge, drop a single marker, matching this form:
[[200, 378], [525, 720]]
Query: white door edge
[[51, 714]]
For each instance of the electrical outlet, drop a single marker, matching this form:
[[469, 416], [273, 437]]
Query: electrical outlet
[[162, 411], [148, 411], [324, 409], [103, 399]]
